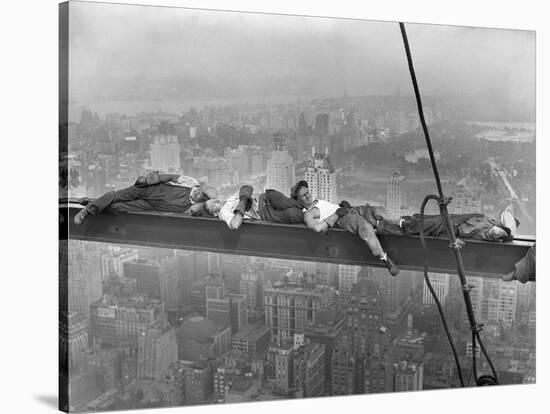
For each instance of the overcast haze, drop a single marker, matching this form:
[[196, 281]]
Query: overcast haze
[[123, 52]]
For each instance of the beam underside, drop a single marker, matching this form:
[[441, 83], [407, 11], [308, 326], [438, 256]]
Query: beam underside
[[288, 242]]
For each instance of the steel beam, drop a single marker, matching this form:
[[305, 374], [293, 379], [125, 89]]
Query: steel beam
[[293, 242]]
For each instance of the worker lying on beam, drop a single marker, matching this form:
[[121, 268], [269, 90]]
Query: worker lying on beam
[[468, 226], [153, 192], [320, 215], [271, 206]]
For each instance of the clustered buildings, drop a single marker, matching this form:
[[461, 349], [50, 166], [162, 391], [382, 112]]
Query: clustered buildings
[[144, 327], [252, 329]]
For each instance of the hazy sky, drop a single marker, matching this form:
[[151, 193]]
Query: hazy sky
[[123, 52]]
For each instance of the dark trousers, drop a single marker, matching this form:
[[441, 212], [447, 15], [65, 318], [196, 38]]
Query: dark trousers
[[464, 225], [274, 206], [159, 197], [357, 221]]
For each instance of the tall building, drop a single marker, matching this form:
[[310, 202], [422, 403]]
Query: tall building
[[476, 295], [171, 386], [283, 369], [347, 277], [73, 339], [364, 312], [198, 382], [408, 376], [281, 174], [291, 308], [107, 363], [250, 285], [322, 124], [440, 283], [252, 339], [309, 370], [113, 259], [491, 301], [165, 153], [464, 202], [507, 302], [321, 177], [157, 350], [84, 277], [226, 310], [158, 278], [344, 370], [394, 195], [119, 321]]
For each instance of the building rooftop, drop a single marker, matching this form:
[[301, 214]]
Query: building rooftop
[[199, 329], [251, 332]]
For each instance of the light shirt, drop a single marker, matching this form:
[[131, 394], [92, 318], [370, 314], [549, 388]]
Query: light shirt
[[326, 209], [226, 213]]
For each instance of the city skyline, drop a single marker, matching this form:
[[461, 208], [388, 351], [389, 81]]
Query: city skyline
[[266, 100]]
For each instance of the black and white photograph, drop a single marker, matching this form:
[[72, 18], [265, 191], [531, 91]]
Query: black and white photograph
[[261, 207], [274, 205]]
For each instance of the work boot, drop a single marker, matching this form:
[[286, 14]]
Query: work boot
[[390, 265], [245, 199], [80, 216]]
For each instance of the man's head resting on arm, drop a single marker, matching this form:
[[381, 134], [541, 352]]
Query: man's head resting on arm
[[300, 192], [202, 193]]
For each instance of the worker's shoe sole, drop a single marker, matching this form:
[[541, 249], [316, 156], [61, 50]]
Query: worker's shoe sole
[[81, 216], [391, 266]]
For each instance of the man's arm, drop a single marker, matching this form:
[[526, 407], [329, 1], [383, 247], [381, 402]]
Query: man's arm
[[186, 181], [311, 219], [154, 178], [227, 213]]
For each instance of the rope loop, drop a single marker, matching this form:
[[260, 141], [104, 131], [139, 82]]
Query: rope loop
[[444, 201], [486, 380]]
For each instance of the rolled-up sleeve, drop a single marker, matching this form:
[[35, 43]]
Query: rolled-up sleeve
[[226, 213]]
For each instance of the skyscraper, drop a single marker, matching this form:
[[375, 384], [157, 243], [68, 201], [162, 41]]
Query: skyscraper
[[283, 369], [290, 309], [347, 277], [113, 259], [321, 177], [309, 370], [507, 302], [84, 277], [344, 368], [408, 376], [73, 338], [165, 153], [157, 350], [394, 195], [322, 124], [226, 309], [119, 321], [440, 283], [198, 382], [158, 278], [281, 173], [250, 285]]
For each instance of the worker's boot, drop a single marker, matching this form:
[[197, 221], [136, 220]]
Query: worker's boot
[[390, 265], [80, 216], [245, 199]]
